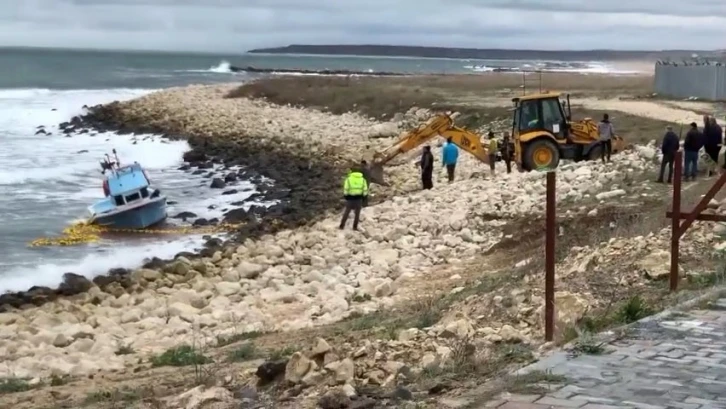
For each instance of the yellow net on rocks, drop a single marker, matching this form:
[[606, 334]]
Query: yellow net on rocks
[[85, 232]]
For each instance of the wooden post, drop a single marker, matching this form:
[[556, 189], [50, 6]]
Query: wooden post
[[676, 219], [701, 206], [551, 234]]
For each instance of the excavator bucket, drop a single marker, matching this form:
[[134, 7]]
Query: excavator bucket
[[619, 144], [375, 174]]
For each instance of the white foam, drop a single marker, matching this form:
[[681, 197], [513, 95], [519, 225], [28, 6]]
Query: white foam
[[48, 181], [50, 274], [224, 67], [26, 157], [592, 67]]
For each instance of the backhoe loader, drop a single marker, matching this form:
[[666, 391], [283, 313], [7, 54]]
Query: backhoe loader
[[440, 125], [543, 133]]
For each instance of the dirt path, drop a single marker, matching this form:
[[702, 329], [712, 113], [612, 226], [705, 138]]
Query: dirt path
[[647, 109]]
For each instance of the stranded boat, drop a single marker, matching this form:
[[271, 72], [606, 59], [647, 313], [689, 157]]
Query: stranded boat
[[130, 202]]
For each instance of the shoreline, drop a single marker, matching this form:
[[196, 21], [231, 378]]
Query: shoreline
[[298, 206], [298, 203], [472, 248]]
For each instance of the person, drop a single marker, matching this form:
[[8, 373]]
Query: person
[[691, 146], [713, 139], [493, 148], [507, 151], [355, 189], [449, 156], [367, 177], [668, 148], [427, 168], [605, 130]]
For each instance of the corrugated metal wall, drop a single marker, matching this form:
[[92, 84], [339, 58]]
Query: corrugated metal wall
[[706, 82]]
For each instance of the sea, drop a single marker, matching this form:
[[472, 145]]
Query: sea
[[48, 180]]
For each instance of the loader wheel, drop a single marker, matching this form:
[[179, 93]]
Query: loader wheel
[[541, 154], [595, 153]]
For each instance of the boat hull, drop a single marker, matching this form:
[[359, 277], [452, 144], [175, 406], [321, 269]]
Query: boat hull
[[137, 217]]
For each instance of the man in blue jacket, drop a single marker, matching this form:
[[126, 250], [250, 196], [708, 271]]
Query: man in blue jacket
[[670, 145], [449, 156]]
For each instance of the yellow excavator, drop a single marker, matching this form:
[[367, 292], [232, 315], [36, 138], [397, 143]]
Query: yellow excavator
[[542, 133]]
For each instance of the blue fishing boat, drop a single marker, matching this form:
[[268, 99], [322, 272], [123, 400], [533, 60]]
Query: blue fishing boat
[[130, 202]]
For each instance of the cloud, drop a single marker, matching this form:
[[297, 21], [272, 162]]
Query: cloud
[[233, 26]]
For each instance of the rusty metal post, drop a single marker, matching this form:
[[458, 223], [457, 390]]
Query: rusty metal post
[[676, 219], [551, 234]]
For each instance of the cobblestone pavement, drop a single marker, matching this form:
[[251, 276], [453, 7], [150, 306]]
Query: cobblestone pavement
[[676, 362]]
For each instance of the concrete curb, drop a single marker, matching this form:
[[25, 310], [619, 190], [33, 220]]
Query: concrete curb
[[561, 354]]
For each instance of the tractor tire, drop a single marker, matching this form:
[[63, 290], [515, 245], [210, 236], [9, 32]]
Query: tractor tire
[[541, 154], [595, 153]]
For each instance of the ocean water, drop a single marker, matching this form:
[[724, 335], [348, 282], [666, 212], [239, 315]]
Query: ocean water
[[48, 181]]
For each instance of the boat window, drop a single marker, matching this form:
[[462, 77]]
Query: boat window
[[119, 200], [135, 196], [144, 192]]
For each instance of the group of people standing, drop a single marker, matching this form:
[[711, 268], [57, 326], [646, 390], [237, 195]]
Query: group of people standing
[[709, 138], [450, 155]]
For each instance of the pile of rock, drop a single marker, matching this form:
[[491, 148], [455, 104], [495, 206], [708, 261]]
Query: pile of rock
[[639, 258], [294, 279]]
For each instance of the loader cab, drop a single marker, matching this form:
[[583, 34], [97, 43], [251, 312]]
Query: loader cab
[[540, 112]]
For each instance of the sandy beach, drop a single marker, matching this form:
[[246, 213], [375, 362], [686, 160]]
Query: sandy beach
[[440, 289]]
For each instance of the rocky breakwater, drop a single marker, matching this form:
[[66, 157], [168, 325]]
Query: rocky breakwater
[[303, 152], [288, 280]]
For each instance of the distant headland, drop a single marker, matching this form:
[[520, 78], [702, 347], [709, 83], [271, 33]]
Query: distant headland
[[494, 54]]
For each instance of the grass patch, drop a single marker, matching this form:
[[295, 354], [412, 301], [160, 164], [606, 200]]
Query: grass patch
[[422, 313], [481, 99], [533, 383], [281, 353], [467, 364], [224, 340], [636, 308], [14, 385], [244, 352], [183, 355], [383, 96], [56, 380], [587, 345], [114, 395], [124, 350]]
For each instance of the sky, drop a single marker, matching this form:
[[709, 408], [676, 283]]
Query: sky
[[232, 26]]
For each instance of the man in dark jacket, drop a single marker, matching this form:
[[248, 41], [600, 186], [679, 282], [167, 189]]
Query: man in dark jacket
[[668, 147], [507, 151], [427, 168], [691, 146], [713, 139]]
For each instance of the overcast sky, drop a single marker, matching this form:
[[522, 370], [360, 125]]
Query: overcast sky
[[238, 25]]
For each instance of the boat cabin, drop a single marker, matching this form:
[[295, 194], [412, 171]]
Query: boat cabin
[[127, 184]]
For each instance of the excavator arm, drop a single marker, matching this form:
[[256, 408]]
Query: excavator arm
[[440, 125]]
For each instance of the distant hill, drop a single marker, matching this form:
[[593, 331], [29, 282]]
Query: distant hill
[[475, 53]]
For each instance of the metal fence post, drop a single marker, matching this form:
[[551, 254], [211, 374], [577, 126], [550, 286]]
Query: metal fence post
[[676, 219], [551, 230]]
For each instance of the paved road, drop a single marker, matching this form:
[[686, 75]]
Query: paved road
[[676, 362]]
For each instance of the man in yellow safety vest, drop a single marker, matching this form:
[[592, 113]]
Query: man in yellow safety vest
[[355, 191]]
